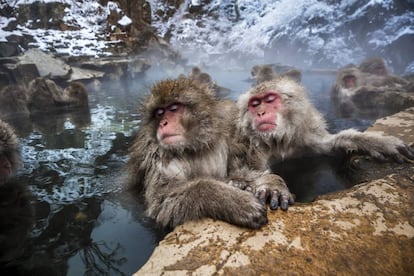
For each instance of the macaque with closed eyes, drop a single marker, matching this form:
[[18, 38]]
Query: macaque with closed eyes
[[278, 120], [186, 164]]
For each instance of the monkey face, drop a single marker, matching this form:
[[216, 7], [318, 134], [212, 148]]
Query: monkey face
[[170, 130], [264, 109], [182, 114], [349, 81]]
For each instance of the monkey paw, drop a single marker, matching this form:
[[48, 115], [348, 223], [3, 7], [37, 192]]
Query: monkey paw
[[251, 213], [272, 188], [241, 184]]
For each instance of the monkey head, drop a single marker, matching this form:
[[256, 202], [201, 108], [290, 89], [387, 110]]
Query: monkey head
[[182, 115], [375, 65], [9, 152], [43, 84], [272, 109], [77, 94]]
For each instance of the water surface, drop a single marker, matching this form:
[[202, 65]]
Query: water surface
[[73, 166]]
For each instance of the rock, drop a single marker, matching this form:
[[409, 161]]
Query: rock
[[16, 73], [400, 124], [369, 228], [46, 64], [117, 67], [8, 49]]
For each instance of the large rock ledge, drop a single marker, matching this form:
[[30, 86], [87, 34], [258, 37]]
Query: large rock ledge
[[367, 229]]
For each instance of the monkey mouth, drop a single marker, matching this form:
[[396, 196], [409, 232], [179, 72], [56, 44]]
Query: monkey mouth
[[266, 126], [169, 139]]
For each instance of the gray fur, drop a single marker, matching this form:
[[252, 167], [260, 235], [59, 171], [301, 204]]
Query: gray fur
[[302, 130], [204, 176]]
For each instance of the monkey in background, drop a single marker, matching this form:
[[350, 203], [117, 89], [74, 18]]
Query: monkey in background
[[9, 152], [197, 74], [45, 96], [13, 101], [368, 95], [262, 73], [278, 121], [376, 66], [186, 164]]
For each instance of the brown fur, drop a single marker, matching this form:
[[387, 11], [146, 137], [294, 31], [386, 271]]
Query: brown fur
[[9, 147], [201, 176], [45, 96]]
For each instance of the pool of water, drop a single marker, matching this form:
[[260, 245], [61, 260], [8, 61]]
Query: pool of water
[[73, 165]]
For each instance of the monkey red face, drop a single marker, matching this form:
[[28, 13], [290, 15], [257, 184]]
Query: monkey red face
[[170, 130], [264, 108], [349, 81], [5, 168]]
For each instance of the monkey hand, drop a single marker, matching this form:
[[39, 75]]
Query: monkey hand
[[241, 184], [272, 188], [249, 213], [390, 147]]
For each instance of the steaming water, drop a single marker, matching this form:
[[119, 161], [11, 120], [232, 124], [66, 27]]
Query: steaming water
[[84, 222]]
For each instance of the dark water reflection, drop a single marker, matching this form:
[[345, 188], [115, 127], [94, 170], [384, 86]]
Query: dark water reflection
[[84, 223]]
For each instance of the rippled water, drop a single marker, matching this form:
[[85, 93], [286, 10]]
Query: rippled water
[[73, 164]]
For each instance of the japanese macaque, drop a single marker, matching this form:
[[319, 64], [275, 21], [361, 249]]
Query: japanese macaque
[[263, 73], [9, 152], [374, 65], [278, 120], [266, 72], [45, 96], [186, 164], [197, 74], [356, 93], [13, 101]]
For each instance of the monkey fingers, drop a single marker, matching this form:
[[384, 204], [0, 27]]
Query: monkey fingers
[[275, 197], [240, 184], [407, 152]]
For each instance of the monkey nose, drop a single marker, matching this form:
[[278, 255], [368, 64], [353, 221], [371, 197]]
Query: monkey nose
[[163, 123], [260, 113]]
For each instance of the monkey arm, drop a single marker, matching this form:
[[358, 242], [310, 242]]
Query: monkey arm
[[373, 144], [175, 202], [248, 170]]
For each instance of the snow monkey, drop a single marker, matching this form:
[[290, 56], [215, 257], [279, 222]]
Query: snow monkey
[[278, 120], [266, 72], [186, 164], [9, 152], [362, 93], [45, 96]]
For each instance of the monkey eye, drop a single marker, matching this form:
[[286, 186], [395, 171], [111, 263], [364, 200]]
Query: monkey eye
[[174, 107], [254, 102], [270, 98], [159, 112]]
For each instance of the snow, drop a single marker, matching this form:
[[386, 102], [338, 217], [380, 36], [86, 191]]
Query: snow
[[320, 28], [125, 21]]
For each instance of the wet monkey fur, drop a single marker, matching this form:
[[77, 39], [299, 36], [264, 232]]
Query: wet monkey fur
[[278, 120], [186, 164]]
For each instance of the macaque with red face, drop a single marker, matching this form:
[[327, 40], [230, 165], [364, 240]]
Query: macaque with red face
[[277, 120], [9, 152], [187, 165]]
